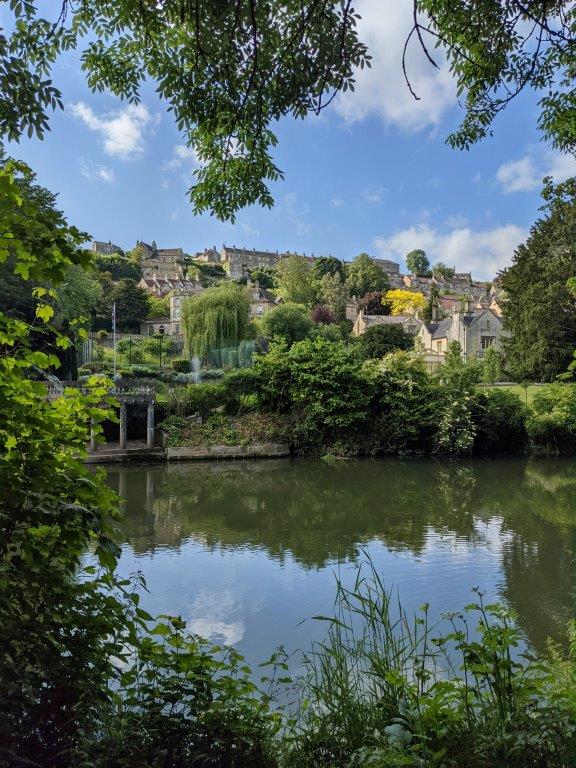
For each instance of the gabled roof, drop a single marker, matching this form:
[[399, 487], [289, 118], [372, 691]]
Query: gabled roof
[[387, 319], [442, 328]]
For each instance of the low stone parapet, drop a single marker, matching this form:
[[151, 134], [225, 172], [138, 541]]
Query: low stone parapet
[[252, 451]]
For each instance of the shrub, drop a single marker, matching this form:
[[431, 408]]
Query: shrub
[[290, 322], [212, 374], [195, 398], [379, 340], [180, 364], [552, 425], [499, 418], [384, 690]]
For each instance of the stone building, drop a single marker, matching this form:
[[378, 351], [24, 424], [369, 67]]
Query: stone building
[[390, 267], [476, 330], [409, 323], [161, 262], [208, 255], [237, 261], [107, 249], [261, 300], [162, 286]]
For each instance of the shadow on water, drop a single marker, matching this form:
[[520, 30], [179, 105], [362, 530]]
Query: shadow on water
[[316, 515]]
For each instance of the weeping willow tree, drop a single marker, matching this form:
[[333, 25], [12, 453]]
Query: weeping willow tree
[[215, 318]]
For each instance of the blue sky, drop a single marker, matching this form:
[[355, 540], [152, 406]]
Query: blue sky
[[372, 173]]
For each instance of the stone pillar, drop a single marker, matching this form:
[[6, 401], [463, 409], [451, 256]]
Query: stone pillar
[[93, 444], [123, 426], [150, 426]]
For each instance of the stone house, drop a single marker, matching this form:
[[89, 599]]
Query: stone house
[[208, 255], [237, 261], [476, 329], [409, 323], [107, 249], [161, 262], [261, 300], [159, 325], [162, 286]]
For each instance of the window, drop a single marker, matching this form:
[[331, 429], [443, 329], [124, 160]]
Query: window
[[486, 341]]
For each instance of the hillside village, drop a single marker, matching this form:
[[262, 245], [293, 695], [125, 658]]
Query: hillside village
[[463, 309]]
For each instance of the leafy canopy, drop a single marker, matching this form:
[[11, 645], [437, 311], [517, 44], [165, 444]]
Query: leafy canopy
[[295, 280], [227, 70], [215, 318], [417, 262], [496, 50], [404, 302], [363, 275], [540, 310]]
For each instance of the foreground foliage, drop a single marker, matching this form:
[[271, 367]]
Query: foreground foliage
[[387, 690]]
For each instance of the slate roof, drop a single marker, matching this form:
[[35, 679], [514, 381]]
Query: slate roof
[[385, 319], [442, 328]]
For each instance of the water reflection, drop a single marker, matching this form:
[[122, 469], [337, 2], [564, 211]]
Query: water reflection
[[246, 550]]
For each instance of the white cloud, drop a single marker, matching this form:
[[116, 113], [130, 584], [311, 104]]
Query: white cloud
[[182, 157], [122, 130], [373, 196], [526, 173], [97, 173], [483, 252], [297, 213], [381, 90], [337, 202], [248, 229]]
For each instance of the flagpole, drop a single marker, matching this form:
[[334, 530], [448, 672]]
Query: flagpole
[[114, 335]]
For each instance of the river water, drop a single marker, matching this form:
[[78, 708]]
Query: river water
[[248, 552]]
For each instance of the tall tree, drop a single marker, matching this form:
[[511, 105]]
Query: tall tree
[[290, 322], [132, 305], [540, 311], [215, 319], [295, 281], [374, 303], [403, 302], [327, 265], [364, 275], [334, 293], [442, 270], [228, 71], [379, 340], [417, 262], [497, 49]]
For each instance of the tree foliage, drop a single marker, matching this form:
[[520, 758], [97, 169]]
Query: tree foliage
[[403, 302], [118, 266], [132, 306], [417, 262], [290, 322], [441, 270], [227, 72], [379, 340], [498, 49], [540, 311], [363, 275], [334, 293], [295, 281], [215, 318], [328, 265]]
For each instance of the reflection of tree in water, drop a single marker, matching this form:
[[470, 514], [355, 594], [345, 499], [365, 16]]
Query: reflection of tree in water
[[324, 512]]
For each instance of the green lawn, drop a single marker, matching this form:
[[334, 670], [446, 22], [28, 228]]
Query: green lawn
[[526, 394]]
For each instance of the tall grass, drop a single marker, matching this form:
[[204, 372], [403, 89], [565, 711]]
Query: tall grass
[[386, 689]]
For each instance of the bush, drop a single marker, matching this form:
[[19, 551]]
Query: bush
[[379, 340], [394, 692], [211, 374], [180, 365], [195, 398], [552, 425], [499, 418]]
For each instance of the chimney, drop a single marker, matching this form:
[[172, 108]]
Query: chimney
[[434, 313]]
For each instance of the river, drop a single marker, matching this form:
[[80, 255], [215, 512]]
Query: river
[[248, 552]]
